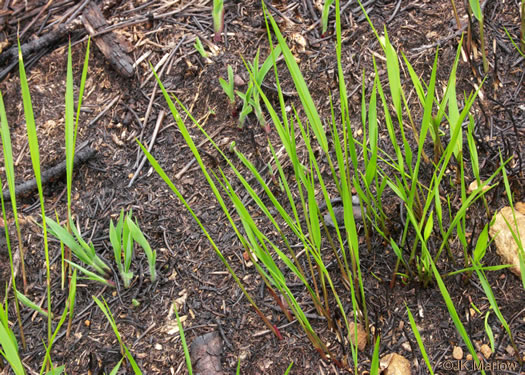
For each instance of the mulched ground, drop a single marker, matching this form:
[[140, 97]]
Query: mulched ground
[[189, 270]]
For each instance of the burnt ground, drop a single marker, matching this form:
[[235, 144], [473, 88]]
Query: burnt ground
[[188, 268]]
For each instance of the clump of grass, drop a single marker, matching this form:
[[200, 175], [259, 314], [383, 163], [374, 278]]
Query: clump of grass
[[138, 237], [122, 243], [251, 98], [82, 250], [304, 189]]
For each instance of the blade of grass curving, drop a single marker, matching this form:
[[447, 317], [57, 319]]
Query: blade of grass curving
[[124, 349], [183, 340], [481, 245], [91, 275], [289, 368], [419, 340], [163, 175], [26, 301], [117, 367], [71, 301], [444, 293], [82, 251], [35, 161]]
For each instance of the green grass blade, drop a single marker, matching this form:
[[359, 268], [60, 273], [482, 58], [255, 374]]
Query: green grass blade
[[324, 15], [183, 340], [26, 301], [107, 312], [69, 127], [374, 366], [35, 161], [419, 340]]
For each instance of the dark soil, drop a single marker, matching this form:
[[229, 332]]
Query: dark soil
[[189, 271]]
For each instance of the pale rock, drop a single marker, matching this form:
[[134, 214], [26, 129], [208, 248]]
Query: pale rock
[[457, 353], [506, 246], [395, 364], [486, 351]]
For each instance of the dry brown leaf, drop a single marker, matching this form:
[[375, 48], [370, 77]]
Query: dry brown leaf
[[361, 336], [506, 246]]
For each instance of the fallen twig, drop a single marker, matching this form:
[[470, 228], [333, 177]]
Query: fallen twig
[[53, 172]]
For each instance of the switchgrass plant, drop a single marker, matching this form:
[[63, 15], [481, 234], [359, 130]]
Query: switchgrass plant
[[407, 172], [275, 259], [422, 201]]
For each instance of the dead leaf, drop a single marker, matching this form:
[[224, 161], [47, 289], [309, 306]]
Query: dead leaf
[[361, 336], [506, 246]]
